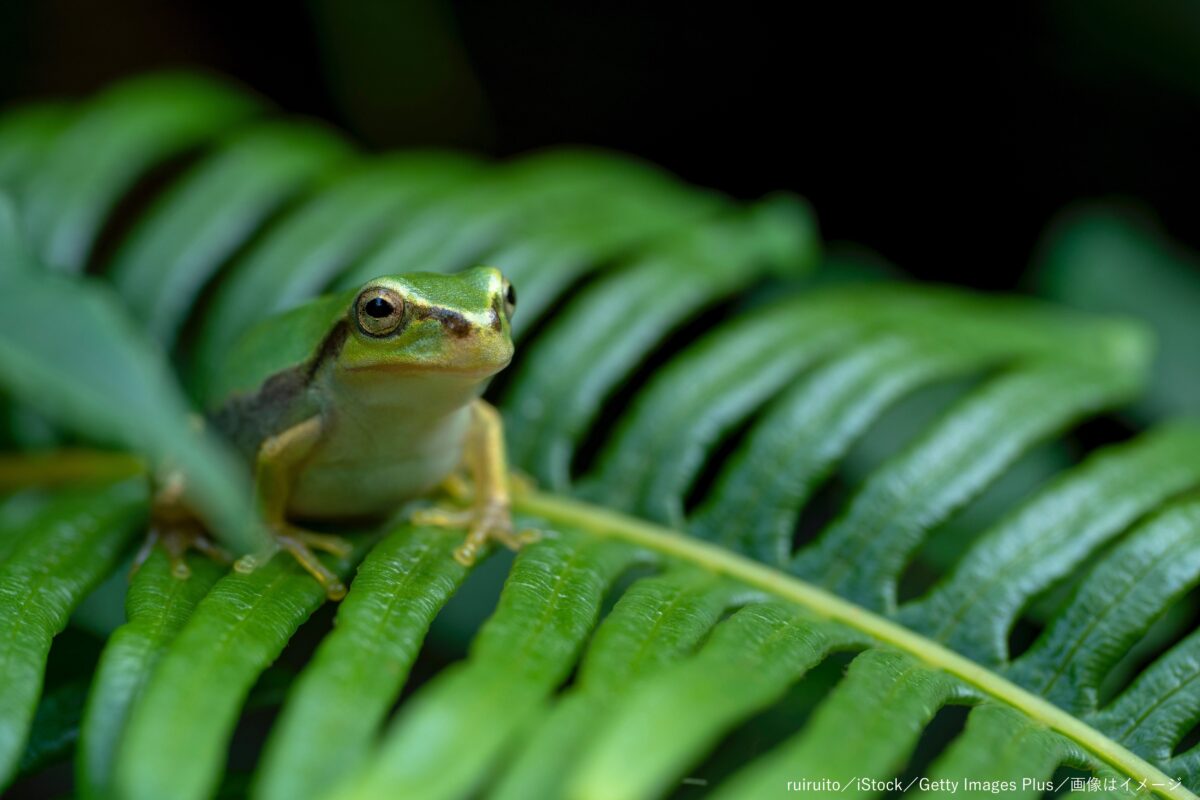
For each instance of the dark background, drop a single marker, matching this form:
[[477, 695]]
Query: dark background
[[946, 141]]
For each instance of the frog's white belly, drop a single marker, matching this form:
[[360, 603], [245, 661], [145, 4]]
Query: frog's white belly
[[368, 464]]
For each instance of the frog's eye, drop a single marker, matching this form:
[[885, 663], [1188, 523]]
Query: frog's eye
[[380, 311], [510, 299]]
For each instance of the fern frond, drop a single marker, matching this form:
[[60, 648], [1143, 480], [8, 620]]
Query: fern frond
[[684, 391]]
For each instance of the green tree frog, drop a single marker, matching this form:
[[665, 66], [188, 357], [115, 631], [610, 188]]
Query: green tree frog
[[356, 402]]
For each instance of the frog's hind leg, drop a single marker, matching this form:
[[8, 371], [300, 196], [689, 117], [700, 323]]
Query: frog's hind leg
[[489, 517], [175, 527], [278, 459]]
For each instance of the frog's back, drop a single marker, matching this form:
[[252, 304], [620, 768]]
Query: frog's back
[[263, 385]]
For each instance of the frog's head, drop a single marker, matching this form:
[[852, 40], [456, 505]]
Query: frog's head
[[428, 323]]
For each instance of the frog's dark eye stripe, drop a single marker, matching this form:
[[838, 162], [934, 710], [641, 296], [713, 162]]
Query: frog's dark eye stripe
[[379, 311]]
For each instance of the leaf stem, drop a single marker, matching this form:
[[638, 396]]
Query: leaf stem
[[606, 523]]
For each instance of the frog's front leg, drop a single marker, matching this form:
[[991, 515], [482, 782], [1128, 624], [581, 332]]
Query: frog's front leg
[[490, 515], [275, 471]]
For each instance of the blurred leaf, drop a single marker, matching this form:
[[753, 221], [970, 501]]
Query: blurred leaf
[[68, 348], [114, 139], [1107, 260]]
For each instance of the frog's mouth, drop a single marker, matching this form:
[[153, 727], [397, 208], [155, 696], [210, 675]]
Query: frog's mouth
[[476, 371], [429, 369]]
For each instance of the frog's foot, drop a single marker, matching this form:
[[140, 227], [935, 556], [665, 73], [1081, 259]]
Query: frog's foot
[[301, 544], [177, 538], [483, 523]]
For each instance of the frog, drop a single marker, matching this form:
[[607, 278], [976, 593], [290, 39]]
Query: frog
[[350, 406]]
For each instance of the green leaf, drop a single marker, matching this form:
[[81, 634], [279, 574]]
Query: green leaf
[[113, 140], [1126, 592], [65, 550], [93, 372], [672, 718], [887, 698], [862, 553], [658, 621], [157, 606], [755, 502], [210, 213], [649, 462], [457, 725], [560, 385], [234, 633], [339, 702], [1045, 538], [1109, 260], [1003, 752], [1038, 735]]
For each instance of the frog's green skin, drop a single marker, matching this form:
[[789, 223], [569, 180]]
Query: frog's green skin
[[356, 402], [394, 411]]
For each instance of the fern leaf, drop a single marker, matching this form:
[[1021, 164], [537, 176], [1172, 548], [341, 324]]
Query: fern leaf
[[679, 371], [357, 673], [548, 413], [976, 606], [1121, 597], [157, 606], [235, 632], [886, 698], [117, 137], [65, 550], [455, 727], [210, 213], [862, 553]]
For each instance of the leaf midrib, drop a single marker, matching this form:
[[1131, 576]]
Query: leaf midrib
[[604, 522]]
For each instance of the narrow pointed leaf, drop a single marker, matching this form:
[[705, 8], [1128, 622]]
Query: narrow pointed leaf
[[656, 622], [452, 731], [886, 698], [1122, 596], [760, 492], [561, 384], [862, 554], [93, 372], [64, 551], [115, 138], [999, 752], [339, 703], [664, 725], [1044, 539], [157, 606], [178, 732], [209, 213]]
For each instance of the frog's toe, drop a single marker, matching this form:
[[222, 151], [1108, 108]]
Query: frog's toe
[[492, 523], [438, 517], [324, 542], [176, 539], [300, 544], [466, 553]]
